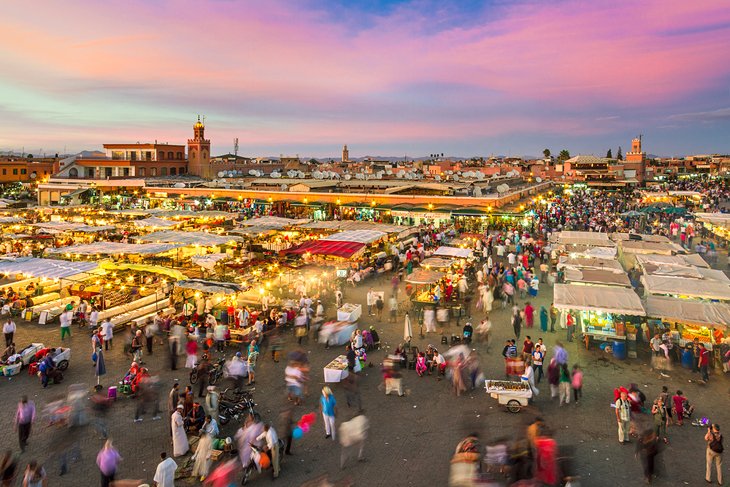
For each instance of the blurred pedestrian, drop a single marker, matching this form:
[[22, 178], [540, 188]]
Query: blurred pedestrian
[[24, 418], [108, 461], [647, 448], [353, 434], [165, 472]]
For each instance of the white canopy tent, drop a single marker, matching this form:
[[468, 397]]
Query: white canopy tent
[[57, 227], [588, 239], [694, 288], [453, 252], [682, 260], [688, 311], [346, 225], [109, 248], [154, 222], [610, 299], [359, 236], [208, 261], [211, 287], [44, 268], [202, 239], [589, 263], [274, 222]]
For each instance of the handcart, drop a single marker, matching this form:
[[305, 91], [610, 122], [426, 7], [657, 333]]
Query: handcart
[[514, 395]]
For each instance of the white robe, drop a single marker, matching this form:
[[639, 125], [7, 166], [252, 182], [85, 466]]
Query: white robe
[[165, 473], [180, 445], [201, 467]]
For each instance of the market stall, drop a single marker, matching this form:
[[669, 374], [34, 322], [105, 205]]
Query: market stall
[[690, 319], [335, 333], [336, 370], [601, 312], [457, 252], [349, 312], [706, 288]]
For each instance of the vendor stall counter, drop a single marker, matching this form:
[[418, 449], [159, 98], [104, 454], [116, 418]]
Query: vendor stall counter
[[349, 312], [336, 370]]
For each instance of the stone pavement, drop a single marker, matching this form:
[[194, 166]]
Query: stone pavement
[[411, 438]]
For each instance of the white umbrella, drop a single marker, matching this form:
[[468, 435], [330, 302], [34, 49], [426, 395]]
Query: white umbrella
[[407, 330]]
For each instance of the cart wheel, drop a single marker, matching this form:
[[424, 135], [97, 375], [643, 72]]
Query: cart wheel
[[194, 376], [62, 365], [513, 406]]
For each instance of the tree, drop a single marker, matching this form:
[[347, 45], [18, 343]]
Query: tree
[[546, 153], [564, 155], [619, 155], [609, 155]]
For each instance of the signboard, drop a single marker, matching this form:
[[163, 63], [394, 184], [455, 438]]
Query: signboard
[[419, 214], [43, 318]]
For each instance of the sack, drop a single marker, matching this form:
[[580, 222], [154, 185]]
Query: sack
[[716, 444]]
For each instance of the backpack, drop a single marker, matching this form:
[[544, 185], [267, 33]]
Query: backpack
[[716, 443]]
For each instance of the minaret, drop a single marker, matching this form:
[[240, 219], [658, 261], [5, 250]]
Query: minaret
[[345, 154], [199, 152]]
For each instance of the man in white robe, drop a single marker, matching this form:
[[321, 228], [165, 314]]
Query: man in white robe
[[165, 473], [180, 445]]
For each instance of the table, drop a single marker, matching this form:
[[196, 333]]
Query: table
[[349, 312], [336, 332], [333, 371]]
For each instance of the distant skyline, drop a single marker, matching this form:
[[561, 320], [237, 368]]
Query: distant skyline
[[386, 77]]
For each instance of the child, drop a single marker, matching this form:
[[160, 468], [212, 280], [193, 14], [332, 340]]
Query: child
[[421, 364], [577, 382]]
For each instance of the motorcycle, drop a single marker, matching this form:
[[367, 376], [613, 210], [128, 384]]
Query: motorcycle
[[216, 372], [228, 410]]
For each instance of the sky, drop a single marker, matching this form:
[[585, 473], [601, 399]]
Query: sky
[[386, 77]]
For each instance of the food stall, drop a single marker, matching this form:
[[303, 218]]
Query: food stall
[[688, 320], [349, 312], [603, 313], [336, 370], [335, 333]]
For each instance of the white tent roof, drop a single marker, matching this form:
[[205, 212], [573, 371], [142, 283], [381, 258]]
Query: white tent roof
[[591, 239], [597, 276], [686, 259], [108, 248], [274, 222], [211, 287], [203, 239], [696, 288], [641, 247], [687, 310], [208, 261], [72, 227], [356, 225], [609, 299], [154, 222], [11, 219], [176, 214], [46, 268], [589, 263], [359, 236], [453, 252]]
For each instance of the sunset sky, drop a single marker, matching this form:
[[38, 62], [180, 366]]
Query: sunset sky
[[385, 77]]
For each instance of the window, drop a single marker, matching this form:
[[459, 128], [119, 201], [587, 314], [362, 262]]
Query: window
[[192, 155], [5, 172], [179, 156], [133, 156], [73, 173], [108, 172], [15, 171], [153, 171], [163, 171], [148, 155], [173, 171], [160, 156], [22, 171], [181, 171], [141, 171], [89, 172], [169, 155], [126, 171]]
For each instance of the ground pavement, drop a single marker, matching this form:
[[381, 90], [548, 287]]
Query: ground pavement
[[411, 438]]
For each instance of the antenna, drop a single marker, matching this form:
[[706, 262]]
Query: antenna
[[235, 147]]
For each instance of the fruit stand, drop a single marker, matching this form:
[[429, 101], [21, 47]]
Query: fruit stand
[[514, 395]]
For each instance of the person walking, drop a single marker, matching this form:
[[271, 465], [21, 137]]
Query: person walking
[[370, 301], [107, 331], [517, 322], [553, 317], [328, 404], [713, 437], [65, 321], [353, 434], [577, 383], [173, 399], [212, 400], [647, 448], [704, 362], [9, 331], [108, 461], [623, 416], [24, 418], [564, 385]]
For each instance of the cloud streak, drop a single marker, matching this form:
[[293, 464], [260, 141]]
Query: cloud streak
[[320, 76]]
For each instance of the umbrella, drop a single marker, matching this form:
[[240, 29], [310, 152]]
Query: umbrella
[[632, 213], [99, 367], [407, 330]]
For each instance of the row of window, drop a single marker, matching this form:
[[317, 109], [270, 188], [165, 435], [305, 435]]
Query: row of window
[[15, 171], [173, 171]]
